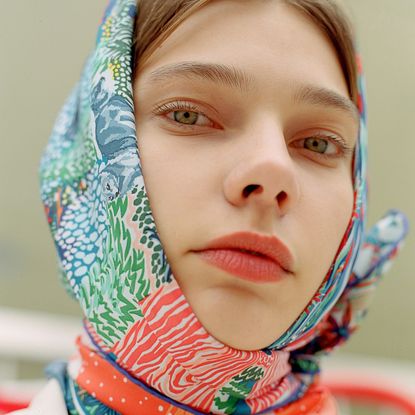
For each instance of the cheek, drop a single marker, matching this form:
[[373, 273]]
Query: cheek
[[335, 210], [342, 202], [326, 219], [170, 175], [155, 172]]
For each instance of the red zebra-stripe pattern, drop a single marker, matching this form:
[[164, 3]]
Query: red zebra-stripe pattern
[[170, 351]]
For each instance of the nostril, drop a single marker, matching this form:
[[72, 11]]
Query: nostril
[[251, 188], [281, 197]]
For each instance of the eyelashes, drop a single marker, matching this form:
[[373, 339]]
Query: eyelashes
[[334, 145], [175, 106], [184, 111], [186, 115]]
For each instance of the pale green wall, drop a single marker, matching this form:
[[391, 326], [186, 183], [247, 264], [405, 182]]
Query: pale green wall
[[386, 31], [43, 45]]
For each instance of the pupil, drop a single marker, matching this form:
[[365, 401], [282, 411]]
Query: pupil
[[185, 117], [316, 144]]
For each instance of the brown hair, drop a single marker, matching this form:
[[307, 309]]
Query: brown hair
[[157, 19]]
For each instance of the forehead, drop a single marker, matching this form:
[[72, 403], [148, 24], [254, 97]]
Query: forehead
[[263, 46]]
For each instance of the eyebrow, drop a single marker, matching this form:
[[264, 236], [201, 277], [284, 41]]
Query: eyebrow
[[214, 72], [326, 97], [230, 76]]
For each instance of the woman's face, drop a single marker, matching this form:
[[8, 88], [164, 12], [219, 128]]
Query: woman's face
[[244, 124]]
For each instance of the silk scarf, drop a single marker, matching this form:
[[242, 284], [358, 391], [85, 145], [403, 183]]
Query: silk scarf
[[112, 261]]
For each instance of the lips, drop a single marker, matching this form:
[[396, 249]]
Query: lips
[[253, 257]]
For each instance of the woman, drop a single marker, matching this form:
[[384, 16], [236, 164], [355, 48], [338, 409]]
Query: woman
[[205, 186]]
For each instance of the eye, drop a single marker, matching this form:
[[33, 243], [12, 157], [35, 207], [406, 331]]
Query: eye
[[188, 117], [184, 114], [325, 145], [319, 145]]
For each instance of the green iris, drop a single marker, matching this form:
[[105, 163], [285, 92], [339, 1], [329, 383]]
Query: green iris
[[186, 117], [316, 144]]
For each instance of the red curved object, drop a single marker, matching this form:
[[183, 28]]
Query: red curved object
[[375, 394], [7, 405]]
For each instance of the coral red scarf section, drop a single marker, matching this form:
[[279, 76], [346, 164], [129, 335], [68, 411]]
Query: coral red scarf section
[[116, 390], [168, 351]]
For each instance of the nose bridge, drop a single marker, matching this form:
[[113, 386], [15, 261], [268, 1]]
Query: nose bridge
[[266, 172], [270, 149]]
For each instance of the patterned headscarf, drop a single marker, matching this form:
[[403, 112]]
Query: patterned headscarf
[[112, 261]]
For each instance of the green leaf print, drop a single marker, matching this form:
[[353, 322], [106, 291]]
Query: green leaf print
[[232, 396]]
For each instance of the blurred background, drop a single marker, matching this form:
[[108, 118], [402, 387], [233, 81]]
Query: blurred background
[[43, 46]]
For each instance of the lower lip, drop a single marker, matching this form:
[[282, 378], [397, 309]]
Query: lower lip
[[244, 265]]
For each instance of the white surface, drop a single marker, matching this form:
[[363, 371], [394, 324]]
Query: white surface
[[48, 401], [21, 390], [36, 336]]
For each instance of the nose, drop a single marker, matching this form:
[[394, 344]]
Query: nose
[[265, 175]]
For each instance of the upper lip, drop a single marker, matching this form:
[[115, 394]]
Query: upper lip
[[269, 246]]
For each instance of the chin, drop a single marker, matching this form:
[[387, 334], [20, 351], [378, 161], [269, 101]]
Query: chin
[[245, 344], [248, 339], [239, 320]]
